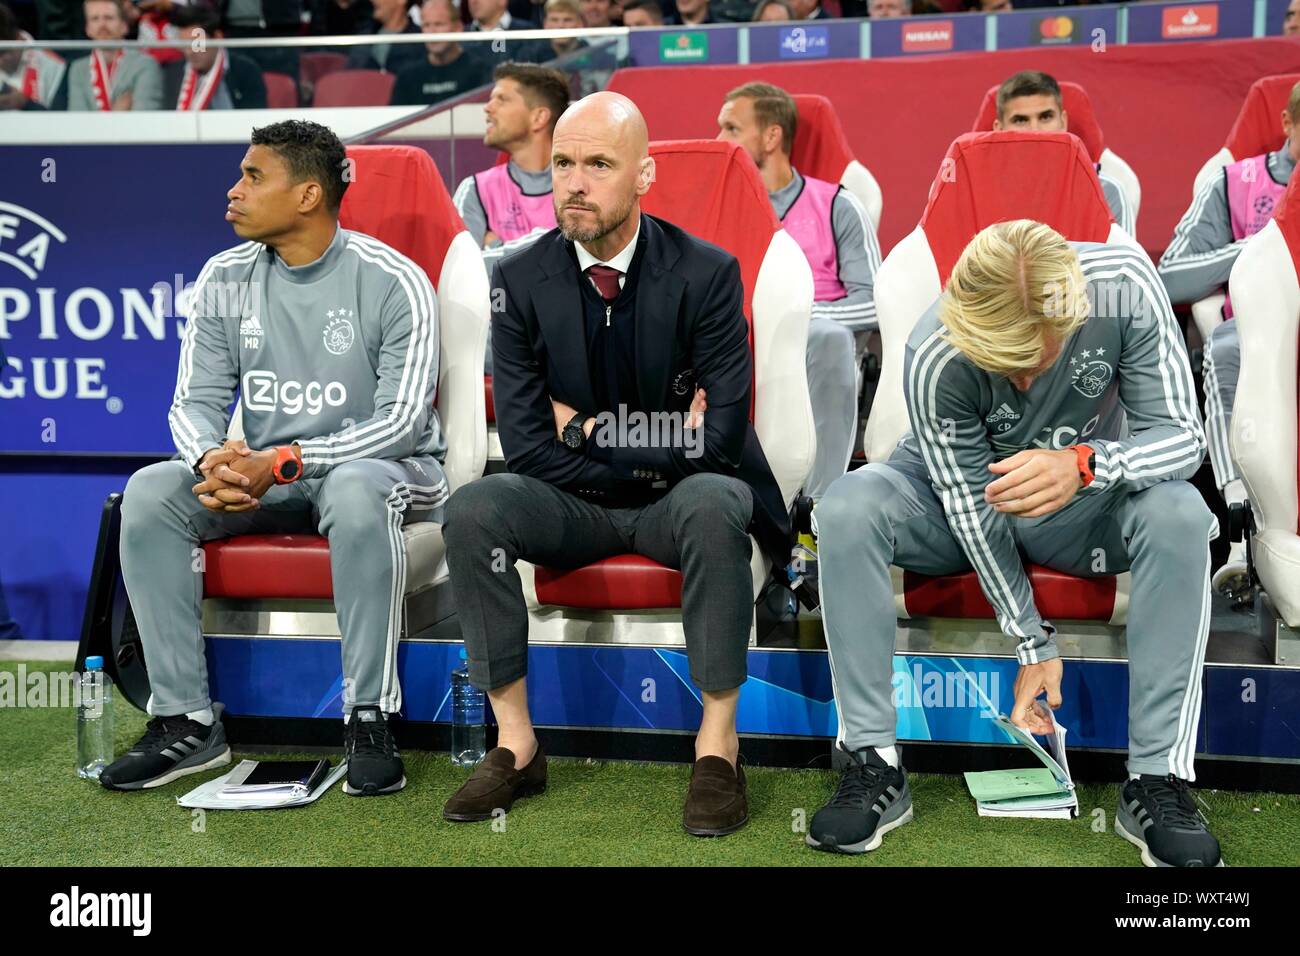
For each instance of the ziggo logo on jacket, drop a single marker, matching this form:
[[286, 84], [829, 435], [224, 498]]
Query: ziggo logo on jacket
[[264, 392]]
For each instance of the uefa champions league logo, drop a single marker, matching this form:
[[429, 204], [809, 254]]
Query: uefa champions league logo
[[339, 334]]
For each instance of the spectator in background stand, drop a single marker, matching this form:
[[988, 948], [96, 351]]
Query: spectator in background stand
[[117, 79], [339, 17], [596, 13], [642, 13], [265, 18], [563, 15], [692, 13], [493, 15], [1291, 20], [29, 79], [808, 10], [448, 70], [154, 23], [389, 17], [60, 20], [880, 9], [210, 77], [774, 11], [989, 6]]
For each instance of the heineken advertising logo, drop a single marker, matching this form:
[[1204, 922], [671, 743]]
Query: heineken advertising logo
[[684, 47]]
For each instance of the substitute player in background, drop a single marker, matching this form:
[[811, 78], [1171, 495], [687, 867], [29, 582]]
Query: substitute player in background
[[331, 338], [509, 205], [1226, 211], [1030, 101], [834, 233], [1018, 382]]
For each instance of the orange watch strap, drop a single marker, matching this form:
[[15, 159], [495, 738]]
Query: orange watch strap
[[1081, 455], [283, 455]]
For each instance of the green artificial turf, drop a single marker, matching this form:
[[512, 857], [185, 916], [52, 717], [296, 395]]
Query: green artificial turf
[[592, 814]]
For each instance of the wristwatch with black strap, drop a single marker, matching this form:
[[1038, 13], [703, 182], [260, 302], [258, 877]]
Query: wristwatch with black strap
[[573, 435]]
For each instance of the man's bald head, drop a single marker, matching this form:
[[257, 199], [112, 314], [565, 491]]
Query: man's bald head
[[612, 117], [600, 167]]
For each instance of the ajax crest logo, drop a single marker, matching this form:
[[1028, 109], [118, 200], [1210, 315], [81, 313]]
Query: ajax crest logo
[[339, 334], [1092, 377]]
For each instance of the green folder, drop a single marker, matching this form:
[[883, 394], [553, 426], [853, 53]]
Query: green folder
[[995, 786]]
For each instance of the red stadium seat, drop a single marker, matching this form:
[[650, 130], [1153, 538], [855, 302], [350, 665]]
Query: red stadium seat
[[713, 191], [312, 66], [398, 197], [1083, 123], [354, 88], [985, 178], [1257, 128], [281, 91], [1265, 286], [822, 150]]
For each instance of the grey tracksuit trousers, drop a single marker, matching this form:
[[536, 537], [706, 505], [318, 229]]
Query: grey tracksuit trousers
[[360, 506], [833, 392], [887, 513], [1222, 365]]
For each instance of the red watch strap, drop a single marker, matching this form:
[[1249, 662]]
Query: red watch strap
[[283, 455], [1082, 453]]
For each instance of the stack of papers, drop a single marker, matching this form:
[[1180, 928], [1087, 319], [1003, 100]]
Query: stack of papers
[[266, 786], [1041, 792]]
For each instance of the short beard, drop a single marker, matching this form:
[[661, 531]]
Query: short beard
[[603, 227]]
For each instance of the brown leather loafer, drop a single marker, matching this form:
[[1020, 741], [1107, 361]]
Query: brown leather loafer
[[495, 784], [715, 803]]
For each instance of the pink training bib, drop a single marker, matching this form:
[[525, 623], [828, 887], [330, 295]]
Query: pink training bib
[[1253, 195], [510, 212], [808, 221]]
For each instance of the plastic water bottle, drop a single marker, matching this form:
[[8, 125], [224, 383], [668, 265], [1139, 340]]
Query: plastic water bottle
[[94, 720], [468, 721]]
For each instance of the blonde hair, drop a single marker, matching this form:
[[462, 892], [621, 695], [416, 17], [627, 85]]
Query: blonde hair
[[1016, 288], [1293, 104], [570, 7]]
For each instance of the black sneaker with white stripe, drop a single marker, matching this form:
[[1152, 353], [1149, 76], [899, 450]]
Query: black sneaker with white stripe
[[171, 747], [1159, 816], [374, 765], [872, 799]]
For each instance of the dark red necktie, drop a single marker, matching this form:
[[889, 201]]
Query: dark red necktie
[[606, 280]]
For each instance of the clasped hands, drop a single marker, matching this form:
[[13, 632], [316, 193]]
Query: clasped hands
[[235, 477]]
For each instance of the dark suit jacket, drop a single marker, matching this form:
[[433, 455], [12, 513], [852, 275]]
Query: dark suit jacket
[[243, 79], [691, 331]]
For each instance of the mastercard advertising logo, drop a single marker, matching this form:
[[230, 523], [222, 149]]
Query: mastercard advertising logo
[[1055, 30]]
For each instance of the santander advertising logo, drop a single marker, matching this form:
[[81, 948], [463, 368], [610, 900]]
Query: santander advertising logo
[[1190, 23]]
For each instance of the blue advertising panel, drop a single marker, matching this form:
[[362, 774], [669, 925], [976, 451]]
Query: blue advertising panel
[[683, 47], [1049, 27], [97, 245], [782, 43], [1156, 22], [927, 35], [788, 693]]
